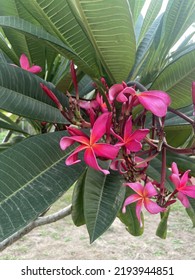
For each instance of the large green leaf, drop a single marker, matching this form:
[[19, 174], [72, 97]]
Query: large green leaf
[[58, 18], [77, 201], [35, 31], [32, 176], [110, 29], [176, 79], [151, 14], [143, 49], [176, 19], [37, 52], [184, 162], [162, 227], [136, 7], [103, 197], [178, 136], [21, 94]]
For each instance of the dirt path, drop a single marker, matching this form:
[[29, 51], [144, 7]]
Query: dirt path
[[62, 241]]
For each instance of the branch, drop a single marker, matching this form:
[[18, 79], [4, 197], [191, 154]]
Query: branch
[[38, 222]]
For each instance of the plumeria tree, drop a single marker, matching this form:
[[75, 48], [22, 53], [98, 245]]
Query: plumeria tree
[[108, 98]]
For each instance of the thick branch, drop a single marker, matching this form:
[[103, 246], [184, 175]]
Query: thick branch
[[38, 222]]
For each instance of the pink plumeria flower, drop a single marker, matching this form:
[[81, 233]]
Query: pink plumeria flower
[[180, 182], [119, 164], [131, 140], [155, 101], [142, 198], [90, 145], [25, 64]]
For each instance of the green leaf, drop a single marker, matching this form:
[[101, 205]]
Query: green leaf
[[144, 49], [36, 51], [35, 31], [178, 136], [13, 127], [151, 14], [112, 36], [77, 201], [191, 211], [184, 162], [33, 176], [103, 197], [21, 94], [176, 79], [162, 227], [136, 7], [129, 219]]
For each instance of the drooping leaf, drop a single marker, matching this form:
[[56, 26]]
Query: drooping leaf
[[191, 211], [32, 177], [103, 197], [77, 201], [21, 94], [176, 79], [162, 227]]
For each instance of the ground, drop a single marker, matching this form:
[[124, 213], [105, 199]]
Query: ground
[[63, 241]]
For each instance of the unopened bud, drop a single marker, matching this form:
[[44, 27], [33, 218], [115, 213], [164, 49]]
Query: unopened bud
[[52, 96]]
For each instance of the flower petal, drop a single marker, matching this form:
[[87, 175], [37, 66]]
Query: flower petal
[[73, 158], [65, 142], [138, 209], [130, 199], [176, 180], [152, 207], [140, 163], [137, 187], [105, 150], [149, 190], [114, 91], [128, 128], [35, 69], [24, 62], [133, 146], [155, 102], [174, 168], [73, 131], [121, 97], [184, 179], [184, 200], [99, 128], [188, 190], [90, 159], [140, 134]]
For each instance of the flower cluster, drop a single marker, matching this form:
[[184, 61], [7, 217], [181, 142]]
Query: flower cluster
[[124, 123]]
